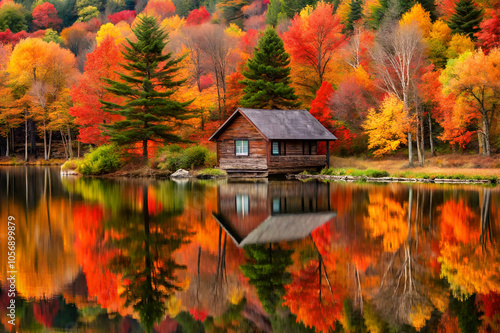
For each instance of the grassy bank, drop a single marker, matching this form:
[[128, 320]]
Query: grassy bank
[[13, 161]]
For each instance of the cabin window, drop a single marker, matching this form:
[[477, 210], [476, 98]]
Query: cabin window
[[242, 204], [275, 148], [241, 147], [276, 205]]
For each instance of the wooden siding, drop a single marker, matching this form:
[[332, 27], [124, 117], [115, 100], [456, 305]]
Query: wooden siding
[[257, 145], [240, 129], [297, 161]]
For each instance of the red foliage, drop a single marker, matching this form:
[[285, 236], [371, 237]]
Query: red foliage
[[446, 8], [319, 106], [45, 311], [206, 81], [45, 16], [4, 1], [125, 15], [491, 304], [102, 62], [489, 35], [93, 255], [199, 314], [198, 16], [311, 301], [344, 138], [7, 37], [248, 41], [314, 40]]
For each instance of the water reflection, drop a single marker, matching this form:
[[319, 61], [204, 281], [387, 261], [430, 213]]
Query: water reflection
[[279, 256]]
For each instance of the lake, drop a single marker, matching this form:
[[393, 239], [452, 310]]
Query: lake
[[100, 255]]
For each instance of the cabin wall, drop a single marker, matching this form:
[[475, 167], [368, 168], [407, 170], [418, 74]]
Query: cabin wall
[[241, 129]]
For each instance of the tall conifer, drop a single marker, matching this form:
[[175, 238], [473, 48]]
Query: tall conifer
[[466, 18], [147, 85], [268, 76]]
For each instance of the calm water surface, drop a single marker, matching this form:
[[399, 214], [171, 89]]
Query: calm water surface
[[96, 255]]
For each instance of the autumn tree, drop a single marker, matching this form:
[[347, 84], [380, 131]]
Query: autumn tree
[[87, 109], [45, 16], [268, 76], [125, 15], [466, 18], [147, 86], [355, 14], [474, 76], [489, 35], [12, 17], [313, 39], [386, 128], [320, 105], [398, 56], [42, 70], [198, 16], [160, 8]]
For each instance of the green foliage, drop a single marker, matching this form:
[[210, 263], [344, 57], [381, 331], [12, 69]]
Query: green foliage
[[12, 16], [211, 159], [104, 159], [149, 110], [354, 15], [466, 18], [52, 36], [274, 9], [174, 157], [355, 172], [71, 164], [268, 76], [266, 269], [211, 172], [87, 13], [465, 310]]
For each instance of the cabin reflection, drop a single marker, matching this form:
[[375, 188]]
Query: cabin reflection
[[274, 211]]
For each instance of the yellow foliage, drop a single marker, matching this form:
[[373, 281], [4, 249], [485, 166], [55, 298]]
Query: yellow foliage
[[109, 29], [363, 78], [420, 314], [125, 30], [369, 7], [173, 23], [343, 10], [387, 218], [306, 12], [386, 129], [234, 31], [418, 15], [459, 44], [174, 306], [441, 31]]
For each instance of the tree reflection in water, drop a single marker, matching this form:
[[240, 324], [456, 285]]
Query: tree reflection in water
[[145, 243]]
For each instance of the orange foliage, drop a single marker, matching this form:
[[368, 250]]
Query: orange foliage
[[160, 8], [458, 222]]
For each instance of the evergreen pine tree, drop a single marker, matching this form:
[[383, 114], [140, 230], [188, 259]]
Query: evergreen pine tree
[[268, 76], [146, 85], [354, 15], [466, 18]]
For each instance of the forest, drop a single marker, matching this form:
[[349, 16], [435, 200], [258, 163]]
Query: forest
[[382, 75]]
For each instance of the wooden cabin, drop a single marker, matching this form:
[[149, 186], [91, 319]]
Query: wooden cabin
[[261, 142], [272, 212]]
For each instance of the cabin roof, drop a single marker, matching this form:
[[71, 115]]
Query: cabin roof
[[278, 228], [281, 124]]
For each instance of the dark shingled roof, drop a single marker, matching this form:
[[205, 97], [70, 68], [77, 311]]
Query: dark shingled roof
[[282, 124]]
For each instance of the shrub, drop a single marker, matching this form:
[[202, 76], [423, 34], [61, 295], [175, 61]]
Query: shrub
[[72, 164], [103, 159], [174, 157]]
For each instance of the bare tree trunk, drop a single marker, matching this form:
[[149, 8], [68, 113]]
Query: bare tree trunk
[[79, 148], [50, 145], [419, 149], [70, 146], [64, 143], [486, 133], [422, 139], [25, 136], [45, 156], [410, 153], [7, 152], [431, 141]]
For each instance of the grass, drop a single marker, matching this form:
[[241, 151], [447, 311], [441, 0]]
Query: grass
[[354, 172], [211, 172], [71, 164]]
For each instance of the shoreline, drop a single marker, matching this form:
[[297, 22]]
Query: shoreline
[[391, 179]]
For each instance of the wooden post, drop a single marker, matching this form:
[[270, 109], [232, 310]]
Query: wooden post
[[327, 153]]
